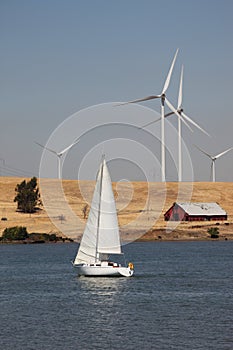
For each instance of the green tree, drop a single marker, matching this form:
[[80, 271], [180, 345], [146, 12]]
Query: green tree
[[27, 196], [15, 233], [214, 232]]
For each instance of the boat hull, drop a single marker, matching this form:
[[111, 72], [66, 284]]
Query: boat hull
[[104, 271]]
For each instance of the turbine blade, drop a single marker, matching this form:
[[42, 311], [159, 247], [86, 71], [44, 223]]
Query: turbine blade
[[172, 108], [48, 149], [140, 100], [181, 88], [184, 121], [167, 82], [207, 154], [69, 147], [168, 114], [145, 125], [224, 152], [194, 123]]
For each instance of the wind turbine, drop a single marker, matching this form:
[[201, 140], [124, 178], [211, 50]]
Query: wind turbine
[[164, 100], [59, 154], [213, 159], [181, 118]]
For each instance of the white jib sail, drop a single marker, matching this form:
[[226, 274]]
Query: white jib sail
[[101, 234]]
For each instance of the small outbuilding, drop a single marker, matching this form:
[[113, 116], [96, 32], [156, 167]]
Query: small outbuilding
[[195, 212]]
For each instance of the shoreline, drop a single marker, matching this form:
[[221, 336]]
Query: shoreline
[[124, 242], [135, 221], [39, 242]]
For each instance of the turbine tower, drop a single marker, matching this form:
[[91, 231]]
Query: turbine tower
[[213, 159], [181, 118], [164, 100], [59, 154]]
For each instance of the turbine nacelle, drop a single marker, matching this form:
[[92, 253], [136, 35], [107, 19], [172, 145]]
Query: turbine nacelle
[[59, 154], [163, 99]]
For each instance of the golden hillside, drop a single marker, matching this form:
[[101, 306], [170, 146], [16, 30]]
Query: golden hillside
[[139, 213]]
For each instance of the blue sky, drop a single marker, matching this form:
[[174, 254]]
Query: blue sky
[[59, 57]]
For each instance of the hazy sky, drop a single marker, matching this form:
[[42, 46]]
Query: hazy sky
[[59, 57]]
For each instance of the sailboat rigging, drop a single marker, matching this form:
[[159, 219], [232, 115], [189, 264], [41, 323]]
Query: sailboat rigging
[[101, 235]]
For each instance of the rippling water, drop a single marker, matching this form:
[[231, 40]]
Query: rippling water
[[181, 297]]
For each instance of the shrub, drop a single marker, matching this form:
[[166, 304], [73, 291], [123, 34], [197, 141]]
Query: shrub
[[53, 237], [15, 233], [214, 232]]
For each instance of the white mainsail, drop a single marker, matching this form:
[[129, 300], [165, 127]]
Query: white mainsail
[[101, 234]]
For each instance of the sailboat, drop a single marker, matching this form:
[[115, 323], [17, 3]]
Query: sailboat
[[101, 234]]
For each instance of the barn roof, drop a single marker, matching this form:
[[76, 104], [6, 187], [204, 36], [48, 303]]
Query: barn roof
[[202, 209]]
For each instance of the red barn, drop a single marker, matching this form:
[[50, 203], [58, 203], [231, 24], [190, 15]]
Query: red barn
[[195, 212]]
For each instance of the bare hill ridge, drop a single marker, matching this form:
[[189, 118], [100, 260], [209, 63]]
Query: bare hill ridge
[[140, 214]]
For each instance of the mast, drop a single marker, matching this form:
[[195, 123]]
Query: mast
[[99, 210]]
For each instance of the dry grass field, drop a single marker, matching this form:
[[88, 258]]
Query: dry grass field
[[140, 214]]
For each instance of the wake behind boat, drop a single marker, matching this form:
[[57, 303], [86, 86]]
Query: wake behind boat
[[101, 235]]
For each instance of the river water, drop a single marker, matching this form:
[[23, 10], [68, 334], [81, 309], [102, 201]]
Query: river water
[[181, 297]]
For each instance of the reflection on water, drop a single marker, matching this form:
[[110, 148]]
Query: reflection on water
[[101, 286], [100, 297], [179, 288]]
